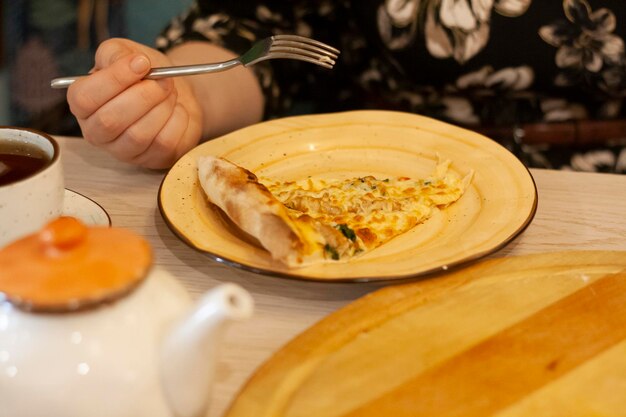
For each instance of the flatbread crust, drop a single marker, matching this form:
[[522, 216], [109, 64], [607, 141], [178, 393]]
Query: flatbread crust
[[253, 208]]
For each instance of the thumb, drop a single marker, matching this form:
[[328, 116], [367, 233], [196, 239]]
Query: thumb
[[111, 51]]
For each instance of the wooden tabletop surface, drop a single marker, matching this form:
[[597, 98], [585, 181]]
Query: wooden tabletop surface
[[576, 211]]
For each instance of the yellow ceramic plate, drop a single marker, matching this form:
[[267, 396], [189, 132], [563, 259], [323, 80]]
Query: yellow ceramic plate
[[498, 205]]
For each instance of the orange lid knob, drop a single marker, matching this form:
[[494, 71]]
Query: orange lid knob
[[69, 266], [64, 233]]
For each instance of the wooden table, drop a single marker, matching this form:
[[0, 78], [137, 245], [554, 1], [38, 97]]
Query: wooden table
[[576, 211]]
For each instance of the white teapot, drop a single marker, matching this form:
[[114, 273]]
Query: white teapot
[[88, 328]]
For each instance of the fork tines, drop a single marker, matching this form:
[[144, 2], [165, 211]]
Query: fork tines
[[304, 49]]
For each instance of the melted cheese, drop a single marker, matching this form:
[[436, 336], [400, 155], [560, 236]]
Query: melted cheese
[[368, 211]]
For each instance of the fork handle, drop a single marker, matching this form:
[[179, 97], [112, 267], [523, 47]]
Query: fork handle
[[162, 72]]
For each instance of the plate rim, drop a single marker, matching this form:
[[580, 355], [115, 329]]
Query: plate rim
[[361, 279], [92, 201]]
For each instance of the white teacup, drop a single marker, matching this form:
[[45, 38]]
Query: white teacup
[[31, 182]]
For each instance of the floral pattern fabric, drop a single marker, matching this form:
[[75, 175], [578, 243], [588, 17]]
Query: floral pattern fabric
[[470, 62]]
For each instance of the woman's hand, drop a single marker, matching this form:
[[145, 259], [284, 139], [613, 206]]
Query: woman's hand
[[145, 122]]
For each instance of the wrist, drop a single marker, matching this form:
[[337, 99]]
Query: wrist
[[228, 100]]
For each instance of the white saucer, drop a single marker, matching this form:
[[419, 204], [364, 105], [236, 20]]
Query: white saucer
[[84, 209]]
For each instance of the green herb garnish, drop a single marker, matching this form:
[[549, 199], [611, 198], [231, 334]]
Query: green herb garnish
[[332, 252], [346, 231]]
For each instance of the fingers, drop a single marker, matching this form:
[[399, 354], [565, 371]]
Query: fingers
[[170, 142], [159, 138], [90, 93], [136, 139], [124, 110], [136, 120]]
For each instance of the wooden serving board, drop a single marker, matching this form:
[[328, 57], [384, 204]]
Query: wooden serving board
[[539, 335]]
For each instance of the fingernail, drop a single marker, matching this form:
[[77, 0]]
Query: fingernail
[[140, 64]]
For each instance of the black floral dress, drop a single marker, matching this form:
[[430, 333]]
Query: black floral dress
[[496, 66]]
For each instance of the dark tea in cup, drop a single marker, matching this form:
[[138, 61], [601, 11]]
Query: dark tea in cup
[[19, 160], [31, 182]]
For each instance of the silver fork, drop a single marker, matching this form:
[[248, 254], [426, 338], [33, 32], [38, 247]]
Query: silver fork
[[278, 46]]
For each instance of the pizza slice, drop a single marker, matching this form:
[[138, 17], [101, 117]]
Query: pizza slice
[[319, 220]]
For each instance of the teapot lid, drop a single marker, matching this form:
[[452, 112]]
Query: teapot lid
[[68, 266]]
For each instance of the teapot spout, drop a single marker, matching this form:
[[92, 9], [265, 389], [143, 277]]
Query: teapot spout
[[189, 349]]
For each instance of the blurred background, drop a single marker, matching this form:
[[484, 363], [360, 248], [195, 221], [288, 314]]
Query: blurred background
[[44, 39]]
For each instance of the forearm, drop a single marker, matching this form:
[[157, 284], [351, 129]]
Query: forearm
[[229, 100]]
